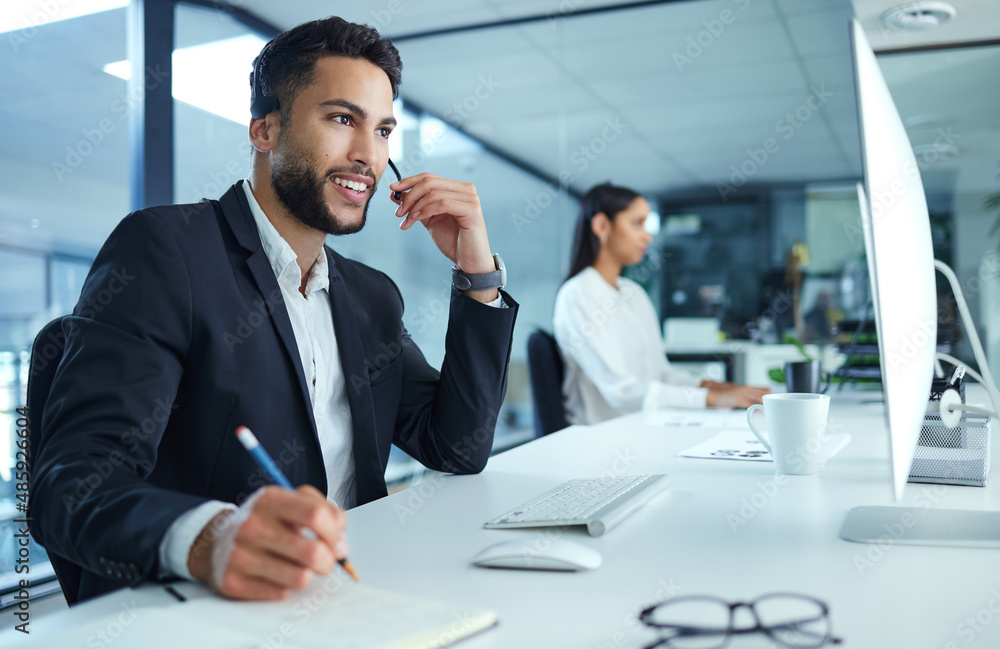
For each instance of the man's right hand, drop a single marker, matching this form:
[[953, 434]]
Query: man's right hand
[[265, 554]]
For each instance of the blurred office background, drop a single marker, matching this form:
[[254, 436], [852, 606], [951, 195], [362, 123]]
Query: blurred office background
[[736, 118]]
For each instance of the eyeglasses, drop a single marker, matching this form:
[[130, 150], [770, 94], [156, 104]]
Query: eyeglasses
[[706, 622]]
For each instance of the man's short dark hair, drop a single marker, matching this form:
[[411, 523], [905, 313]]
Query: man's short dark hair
[[289, 58]]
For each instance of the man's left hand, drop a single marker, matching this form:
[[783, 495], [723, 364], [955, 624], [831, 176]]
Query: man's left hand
[[452, 214]]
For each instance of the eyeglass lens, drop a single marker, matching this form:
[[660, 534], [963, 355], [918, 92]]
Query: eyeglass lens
[[693, 622], [794, 621]]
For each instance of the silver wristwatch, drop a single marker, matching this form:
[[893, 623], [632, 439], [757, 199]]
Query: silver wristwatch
[[465, 282]]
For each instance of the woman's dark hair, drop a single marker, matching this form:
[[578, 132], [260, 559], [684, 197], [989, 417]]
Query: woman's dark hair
[[285, 65], [605, 198]]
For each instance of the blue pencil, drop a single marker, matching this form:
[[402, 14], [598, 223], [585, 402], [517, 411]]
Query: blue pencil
[[257, 452]]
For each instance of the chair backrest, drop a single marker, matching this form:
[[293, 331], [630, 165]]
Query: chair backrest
[[46, 352], [545, 369]]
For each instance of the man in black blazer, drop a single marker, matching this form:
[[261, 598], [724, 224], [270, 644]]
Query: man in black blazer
[[198, 319]]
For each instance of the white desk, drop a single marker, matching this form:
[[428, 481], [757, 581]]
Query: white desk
[[726, 528]]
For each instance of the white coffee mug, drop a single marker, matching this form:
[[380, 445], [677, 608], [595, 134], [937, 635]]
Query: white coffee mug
[[796, 422]]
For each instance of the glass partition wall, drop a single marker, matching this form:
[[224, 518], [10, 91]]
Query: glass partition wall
[[64, 179]]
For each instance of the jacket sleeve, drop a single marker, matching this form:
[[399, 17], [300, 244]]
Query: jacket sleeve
[[447, 421], [109, 403]]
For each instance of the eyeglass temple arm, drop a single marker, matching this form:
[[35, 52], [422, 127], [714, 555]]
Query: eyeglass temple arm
[[830, 639], [793, 626]]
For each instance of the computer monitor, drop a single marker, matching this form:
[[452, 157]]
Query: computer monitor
[[901, 267], [900, 259]]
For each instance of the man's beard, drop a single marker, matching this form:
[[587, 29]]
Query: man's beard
[[302, 194]]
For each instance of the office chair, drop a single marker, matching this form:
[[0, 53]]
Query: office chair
[[545, 369], [46, 352]]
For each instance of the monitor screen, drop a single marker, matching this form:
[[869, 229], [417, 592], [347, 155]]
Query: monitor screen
[[900, 259]]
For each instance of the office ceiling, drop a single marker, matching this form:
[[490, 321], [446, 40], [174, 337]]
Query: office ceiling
[[692, 88], [644, 96], [690, 120]]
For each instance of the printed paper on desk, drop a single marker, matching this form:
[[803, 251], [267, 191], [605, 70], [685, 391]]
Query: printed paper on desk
[[698, 418], [743, 446]]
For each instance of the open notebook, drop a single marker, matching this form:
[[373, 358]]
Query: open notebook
[[333, 612]]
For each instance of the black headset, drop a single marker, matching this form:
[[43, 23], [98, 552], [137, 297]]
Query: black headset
[[264, 104]]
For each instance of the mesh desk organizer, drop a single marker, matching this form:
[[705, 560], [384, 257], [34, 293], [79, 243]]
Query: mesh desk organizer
[[956, 456]]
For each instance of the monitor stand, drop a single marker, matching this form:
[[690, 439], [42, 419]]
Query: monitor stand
[[922, 526]]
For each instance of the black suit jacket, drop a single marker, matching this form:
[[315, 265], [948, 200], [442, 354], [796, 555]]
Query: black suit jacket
[[180, 336]]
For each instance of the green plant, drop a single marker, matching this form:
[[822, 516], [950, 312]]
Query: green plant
[[789, 339], [777, 374]]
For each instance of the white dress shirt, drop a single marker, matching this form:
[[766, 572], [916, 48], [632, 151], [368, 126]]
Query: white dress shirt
[[613, 354], [312, 324]]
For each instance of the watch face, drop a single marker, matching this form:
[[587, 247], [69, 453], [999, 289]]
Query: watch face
[[502, 269]]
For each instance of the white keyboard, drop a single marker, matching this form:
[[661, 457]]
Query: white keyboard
[[598, 503]]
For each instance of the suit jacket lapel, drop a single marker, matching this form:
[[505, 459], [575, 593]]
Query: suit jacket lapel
[[237, 212], [367, 464]]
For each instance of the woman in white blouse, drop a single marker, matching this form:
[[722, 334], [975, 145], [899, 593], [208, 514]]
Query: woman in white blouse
[[607, 328]]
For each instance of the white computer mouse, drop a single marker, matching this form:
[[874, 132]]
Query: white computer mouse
[[539, 554]]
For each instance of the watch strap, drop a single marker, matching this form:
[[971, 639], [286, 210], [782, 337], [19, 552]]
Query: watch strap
[[483, 282]]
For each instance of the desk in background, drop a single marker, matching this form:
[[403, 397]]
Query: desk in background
[[747, 362], [729, 529]]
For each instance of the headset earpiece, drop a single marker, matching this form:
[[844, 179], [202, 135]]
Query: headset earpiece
[[262, 104]]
